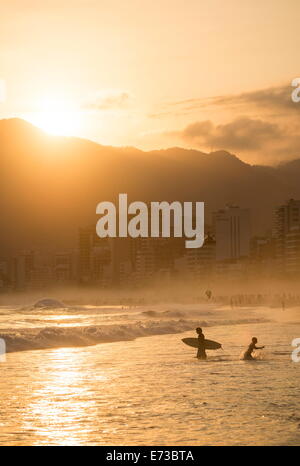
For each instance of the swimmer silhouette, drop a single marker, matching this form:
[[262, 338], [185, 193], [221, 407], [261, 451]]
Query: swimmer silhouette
[[248, 354]]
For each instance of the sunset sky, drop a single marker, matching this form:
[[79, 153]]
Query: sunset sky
[[203, 74]]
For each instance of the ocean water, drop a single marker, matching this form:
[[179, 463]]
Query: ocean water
[[121, 376]]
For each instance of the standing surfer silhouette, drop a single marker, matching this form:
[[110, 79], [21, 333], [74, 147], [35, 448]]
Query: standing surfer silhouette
[[201, 354]]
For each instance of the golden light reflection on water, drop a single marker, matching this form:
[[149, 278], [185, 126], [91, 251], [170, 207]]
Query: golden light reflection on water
[[147, 391], [63, 399]]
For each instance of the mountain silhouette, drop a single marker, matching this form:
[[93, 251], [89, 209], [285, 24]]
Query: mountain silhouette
[[50, 185]]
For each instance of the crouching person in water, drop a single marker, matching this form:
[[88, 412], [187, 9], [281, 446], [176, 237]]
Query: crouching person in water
[[248, 354], [201, 354]]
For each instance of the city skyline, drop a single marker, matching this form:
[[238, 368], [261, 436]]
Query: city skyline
[[229, 249]]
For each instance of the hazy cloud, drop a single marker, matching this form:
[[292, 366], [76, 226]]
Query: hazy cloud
[[274, 100], [243, 133], [108, 100], [262, 126]]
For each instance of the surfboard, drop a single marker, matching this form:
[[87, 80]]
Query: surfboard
[[209, 344]]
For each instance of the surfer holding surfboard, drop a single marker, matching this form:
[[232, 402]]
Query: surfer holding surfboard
[[201, 354], [201, 344]]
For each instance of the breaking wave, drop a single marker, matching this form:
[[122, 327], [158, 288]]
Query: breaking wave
[[62, 336], [48, 303]]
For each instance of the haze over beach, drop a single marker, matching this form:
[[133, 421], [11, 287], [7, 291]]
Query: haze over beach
[[161, 102]]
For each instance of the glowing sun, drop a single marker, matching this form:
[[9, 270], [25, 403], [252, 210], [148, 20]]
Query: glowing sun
[[57, 116]]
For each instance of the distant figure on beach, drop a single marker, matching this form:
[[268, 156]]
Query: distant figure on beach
[[208, 294], [248, 354], [201, 354]]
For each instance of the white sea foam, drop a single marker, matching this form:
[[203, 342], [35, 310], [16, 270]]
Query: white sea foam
[[39, 328]]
